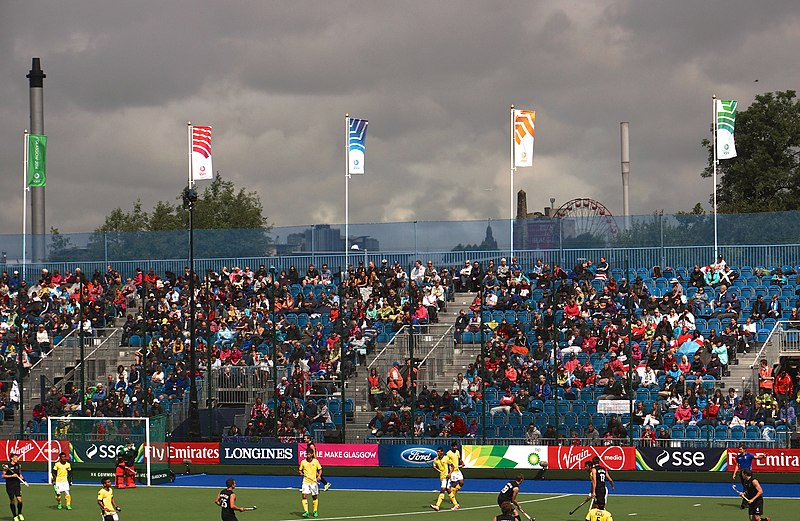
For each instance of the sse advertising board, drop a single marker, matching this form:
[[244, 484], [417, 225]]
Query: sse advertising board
[[32, 450], [680, 459], [100, 452], [342, 455], [406, 455], [777, 460], [573, 457]]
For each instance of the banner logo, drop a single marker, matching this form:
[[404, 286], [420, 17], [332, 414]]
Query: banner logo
[[418, 455]]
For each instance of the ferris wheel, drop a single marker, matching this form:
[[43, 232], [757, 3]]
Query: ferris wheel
[[588, 217]]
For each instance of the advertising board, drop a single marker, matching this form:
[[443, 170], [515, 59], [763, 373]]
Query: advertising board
[[573, 457], [32, 450], [680, 459], [406, 455], [343, 455], [504, 456], [777, 460], [257, 453]]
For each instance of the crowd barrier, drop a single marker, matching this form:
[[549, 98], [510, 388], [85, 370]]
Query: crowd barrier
[[566, 457]]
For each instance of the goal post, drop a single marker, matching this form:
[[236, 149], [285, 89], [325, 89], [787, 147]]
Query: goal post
[[95, 443]]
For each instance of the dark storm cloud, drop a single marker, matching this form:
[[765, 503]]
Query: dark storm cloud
[[435, 79]]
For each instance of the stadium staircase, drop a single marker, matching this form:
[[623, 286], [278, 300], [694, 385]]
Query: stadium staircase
[[103, 354], [440, 360]]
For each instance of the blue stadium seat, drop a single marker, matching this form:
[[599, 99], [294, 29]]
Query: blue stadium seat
[[504, 431], [752, 432], [678, 432], [721, 432], [736, 433], [692, 432]]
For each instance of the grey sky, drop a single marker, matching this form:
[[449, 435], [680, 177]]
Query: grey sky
[[435, 79]]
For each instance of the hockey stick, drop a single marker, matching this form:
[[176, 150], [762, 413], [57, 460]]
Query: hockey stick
[[741, 494], [248, 509], [579, 506], [525, 514]]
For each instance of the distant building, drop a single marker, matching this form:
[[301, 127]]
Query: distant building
[[324, 238]]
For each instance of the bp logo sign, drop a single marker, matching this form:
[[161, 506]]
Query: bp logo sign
[[534, 459]]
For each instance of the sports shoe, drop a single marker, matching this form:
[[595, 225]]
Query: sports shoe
[[327, 486], [315, 514], [434, 507], [59, 506], [69, 507], [456, 507], [305, 514], [21, 517]]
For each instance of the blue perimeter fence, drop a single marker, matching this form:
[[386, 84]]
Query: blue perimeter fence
[[764, 239]]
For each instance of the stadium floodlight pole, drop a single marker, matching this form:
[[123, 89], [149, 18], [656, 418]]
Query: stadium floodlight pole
[[82, 344], [483, 363], [271, 296], [20, 368], [344, 373], [209, 377], [36, 89], [412, 365], [189, 200], [554, 360]]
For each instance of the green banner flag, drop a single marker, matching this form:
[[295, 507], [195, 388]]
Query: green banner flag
[[37, 148]]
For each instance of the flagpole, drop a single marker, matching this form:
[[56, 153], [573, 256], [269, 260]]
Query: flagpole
[[714, 162], [513, 169], [189, 129], [346, 193], [24, 203]]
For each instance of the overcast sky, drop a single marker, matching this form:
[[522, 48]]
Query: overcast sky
[[435, 79]]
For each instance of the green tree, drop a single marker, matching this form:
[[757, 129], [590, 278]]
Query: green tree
[[227, 222], [765, 175]]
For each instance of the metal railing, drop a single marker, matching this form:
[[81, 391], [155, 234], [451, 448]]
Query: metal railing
[[565, 441], [63, 363]]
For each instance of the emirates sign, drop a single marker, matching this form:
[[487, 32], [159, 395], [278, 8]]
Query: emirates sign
[[777, 460], [573, 457]]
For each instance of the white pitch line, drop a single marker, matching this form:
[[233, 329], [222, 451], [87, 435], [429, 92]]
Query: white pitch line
[[395, 514]]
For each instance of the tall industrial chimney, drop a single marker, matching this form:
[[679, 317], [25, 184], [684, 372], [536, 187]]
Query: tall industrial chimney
[[626, 171], [36, 77]]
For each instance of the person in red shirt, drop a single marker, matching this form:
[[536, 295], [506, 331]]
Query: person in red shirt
[[783, 388], [683, 414]]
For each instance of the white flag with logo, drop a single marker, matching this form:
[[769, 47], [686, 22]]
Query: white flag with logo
[[524, 125], [726, 122], [201, 154]]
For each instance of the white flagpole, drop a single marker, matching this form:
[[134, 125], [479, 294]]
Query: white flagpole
[[189, 128], [346, 192], [513, 169], [24, 203], [714, 138]]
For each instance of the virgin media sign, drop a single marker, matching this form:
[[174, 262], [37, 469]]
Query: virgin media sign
[[573, 457], [32, 450]]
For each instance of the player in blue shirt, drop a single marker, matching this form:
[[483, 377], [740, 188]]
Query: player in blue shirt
[[744, 461]]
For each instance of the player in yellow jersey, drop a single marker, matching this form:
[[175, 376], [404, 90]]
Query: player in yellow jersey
[[599, 514], [444, 466], [311, 471], [456, 477], [105, 498], [62, 480]]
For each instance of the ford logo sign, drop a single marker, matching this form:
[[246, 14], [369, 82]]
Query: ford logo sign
[[419, 455]]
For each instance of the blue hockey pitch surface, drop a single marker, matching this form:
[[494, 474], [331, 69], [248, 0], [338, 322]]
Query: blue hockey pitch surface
[[624, 488]]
